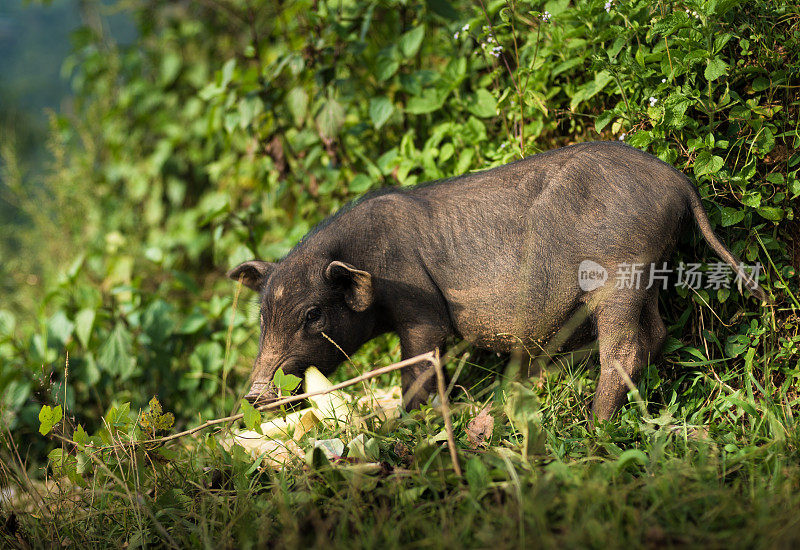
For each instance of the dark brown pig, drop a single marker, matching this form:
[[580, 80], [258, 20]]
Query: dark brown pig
[[492, 257]]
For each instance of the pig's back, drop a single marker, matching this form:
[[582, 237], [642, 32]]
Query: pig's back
[[504, 245]]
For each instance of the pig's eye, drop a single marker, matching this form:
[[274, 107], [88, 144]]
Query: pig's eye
[[313, 315]]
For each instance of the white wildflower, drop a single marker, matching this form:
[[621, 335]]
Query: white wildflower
[[456, 35], [465, 28], [608, 6], [546, 16], [622, 136], [653, 101], [663, 80]]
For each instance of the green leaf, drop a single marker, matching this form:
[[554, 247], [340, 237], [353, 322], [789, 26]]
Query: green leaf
[[380, 109], [760, 84], [752, 199], [285, 383], [80, 436], [213, 205], [360, 183], [721, 7], [154, 419], [483, 104], [671, 345], [207, 358], [454, 73], [227, 71], [442, 8], [7, 322], [602, 121], [193, 323], [170, 66], [671, 23], [706, 163], [410, 42], [630, 457], [249, 109], [297, 101], [721, 40], [715, 68], [794, 187], [231, 121], [115, 354], [734, 348], [60, 327], [431, 100], [49, 417], [640, 139], [446, 152], [474, 131], [386, 162], [522, 409], [119, 417], [477, 475], [387, 63], [60, 462], [157, 321], [330, 118], [674, 110], [746, 407], [592, 88], [252, 418], [364, 449], [731, 216], [771, 213], [84, 321]]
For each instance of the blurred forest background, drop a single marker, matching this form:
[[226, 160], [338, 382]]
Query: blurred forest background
[[147, 146]]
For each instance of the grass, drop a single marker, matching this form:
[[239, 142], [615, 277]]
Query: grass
[[710, 468]]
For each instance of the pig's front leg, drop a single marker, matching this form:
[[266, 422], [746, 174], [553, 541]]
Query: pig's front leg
[[419, 380]]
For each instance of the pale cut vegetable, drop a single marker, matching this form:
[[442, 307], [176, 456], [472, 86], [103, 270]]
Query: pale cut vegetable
[[272, 452], [332, 408], [384, 404], [333, 448], [282, 427], [306, 422]]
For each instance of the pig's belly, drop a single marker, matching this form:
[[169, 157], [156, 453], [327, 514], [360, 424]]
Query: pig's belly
[[502, 321]]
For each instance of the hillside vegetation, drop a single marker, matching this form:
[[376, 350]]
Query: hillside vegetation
[[231, 127]]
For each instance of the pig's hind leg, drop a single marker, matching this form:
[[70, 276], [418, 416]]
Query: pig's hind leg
[[630, 333]]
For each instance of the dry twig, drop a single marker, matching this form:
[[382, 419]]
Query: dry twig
[[432, 357], [448, 422]]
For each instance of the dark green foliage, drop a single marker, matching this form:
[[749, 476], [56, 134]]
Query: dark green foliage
[[230, 128]]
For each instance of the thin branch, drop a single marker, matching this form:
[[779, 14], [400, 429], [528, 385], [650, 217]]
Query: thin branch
[[448, 422], [430, 357]]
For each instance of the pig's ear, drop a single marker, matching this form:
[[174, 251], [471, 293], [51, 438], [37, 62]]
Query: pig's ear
[[252, 273], [357, 284]]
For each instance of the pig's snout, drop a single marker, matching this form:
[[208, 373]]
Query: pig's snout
[[261, 393]]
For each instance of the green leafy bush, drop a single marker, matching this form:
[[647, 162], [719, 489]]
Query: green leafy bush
[[229, 129]]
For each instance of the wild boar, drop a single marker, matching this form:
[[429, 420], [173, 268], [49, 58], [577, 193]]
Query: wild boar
[[492, 257]]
